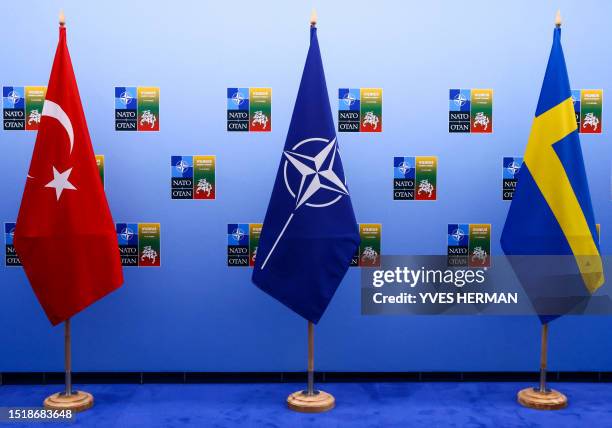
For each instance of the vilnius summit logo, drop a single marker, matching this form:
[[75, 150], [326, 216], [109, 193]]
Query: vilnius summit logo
[[249, 109], [22, 107], [588, 108], [136, 108], [242, 244], [470, 111], [368, 254], [469, 245], [139, 244], [193, 177], [360, 110], [415, 178]]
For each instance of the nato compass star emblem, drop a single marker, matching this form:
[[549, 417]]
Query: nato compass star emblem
[[127, 234], [458, 235], [14, 97], [238, 98], [404, 167], [182, 166], [126, 97], [317, 173], [349, 99], [319, 185], [460, 100], [513, 168], [238, 234]]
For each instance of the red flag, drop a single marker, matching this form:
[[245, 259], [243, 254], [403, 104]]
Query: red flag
[[64, 234]]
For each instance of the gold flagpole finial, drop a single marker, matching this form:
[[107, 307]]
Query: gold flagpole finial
[[62, 18], [313, 18], [558, 19]]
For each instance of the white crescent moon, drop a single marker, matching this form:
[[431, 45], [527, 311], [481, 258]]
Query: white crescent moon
[[53, 110]]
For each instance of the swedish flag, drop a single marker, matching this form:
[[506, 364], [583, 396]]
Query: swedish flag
[[551, 212]]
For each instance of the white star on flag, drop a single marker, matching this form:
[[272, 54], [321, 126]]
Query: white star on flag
[[60, 182], [319, 178]]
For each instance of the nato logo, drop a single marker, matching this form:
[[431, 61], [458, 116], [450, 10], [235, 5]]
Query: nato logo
[[181, 186], [182, 166], [238, 244], [348, 99], [458, 235], [13, 108], [238, 109], [404, 167], [512, 166], [237, 234], [10, 255], [126, 106], [13, 97], [125, 98], [459, 110], [349, 109], [459, 100], [238, 99], [127, 234], [9, 233]]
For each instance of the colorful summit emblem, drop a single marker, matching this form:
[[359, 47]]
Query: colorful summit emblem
[[139, 244], [100, 165], [360, 110], [469, 245], [368, 253], [415, 178], [470, 110], [242, 243], [136, 108], [249, 109], [588, 105], [193, 177], [22, 107]]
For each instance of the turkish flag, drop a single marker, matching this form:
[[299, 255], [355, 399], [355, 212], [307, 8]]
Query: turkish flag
[[64, 234]]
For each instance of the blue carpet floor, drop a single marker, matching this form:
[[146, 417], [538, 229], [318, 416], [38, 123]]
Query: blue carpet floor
[[358, 405]]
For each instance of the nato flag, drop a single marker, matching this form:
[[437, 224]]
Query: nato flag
[[309, 234]]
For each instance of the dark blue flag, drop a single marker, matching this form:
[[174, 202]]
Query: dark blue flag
[[309, 235]]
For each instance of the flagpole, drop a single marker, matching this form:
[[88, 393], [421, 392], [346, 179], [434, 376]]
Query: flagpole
[[311, 400], [310, 390], [541, 397], [543, 358], [68, 358], [75, 401]]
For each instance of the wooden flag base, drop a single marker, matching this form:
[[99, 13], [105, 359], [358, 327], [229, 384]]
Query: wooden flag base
[[77, 401], [319, 401], [535, 399]]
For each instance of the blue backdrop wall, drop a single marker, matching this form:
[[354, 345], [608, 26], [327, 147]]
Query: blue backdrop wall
[[194, 313]]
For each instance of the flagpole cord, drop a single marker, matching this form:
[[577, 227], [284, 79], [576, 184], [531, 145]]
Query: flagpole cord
[[68, 358], [310, 390], [543, 358]]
